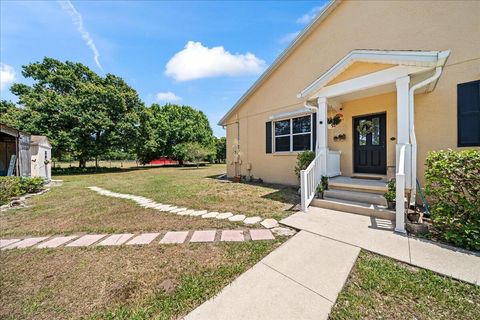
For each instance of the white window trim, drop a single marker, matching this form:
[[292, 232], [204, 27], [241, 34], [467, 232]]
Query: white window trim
[[291, 134]]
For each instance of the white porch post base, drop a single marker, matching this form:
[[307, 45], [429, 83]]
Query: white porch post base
[[400, 204]]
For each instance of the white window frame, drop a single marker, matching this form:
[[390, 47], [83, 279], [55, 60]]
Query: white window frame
[[291, 134]]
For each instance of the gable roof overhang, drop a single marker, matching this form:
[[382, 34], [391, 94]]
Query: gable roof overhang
[[406, 63], [284, 55]]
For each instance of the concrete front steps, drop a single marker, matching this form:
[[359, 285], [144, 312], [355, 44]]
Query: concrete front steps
[[360, 196]]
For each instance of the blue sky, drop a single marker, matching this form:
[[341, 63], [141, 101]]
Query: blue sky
[[203, 54]]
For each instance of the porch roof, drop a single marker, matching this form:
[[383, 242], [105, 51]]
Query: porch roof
[[412, 61]]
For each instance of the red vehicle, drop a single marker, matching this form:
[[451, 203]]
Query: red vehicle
[[163, 161]]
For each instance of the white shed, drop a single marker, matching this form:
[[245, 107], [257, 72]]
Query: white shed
[[41, 151]]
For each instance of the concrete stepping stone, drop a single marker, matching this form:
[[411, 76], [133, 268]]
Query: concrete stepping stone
[[186, 212], [25, 243], [237, 218], [224, 215], [252, 220], [86, 240], [282, 231], [174, 237], [210, 215], [232, 235], [269, 223], [7, 242], [171, 208], [261, 234], [198, 213], [56, 242], [115, 239], [144, 238], [203, 236], [178, 210]]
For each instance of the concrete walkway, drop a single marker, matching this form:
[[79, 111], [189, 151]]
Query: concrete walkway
[[299, 280], [377, 235], [169, 237]]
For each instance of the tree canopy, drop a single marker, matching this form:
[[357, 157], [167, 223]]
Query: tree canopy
[[82, 113], [170, 125], [87, 116]]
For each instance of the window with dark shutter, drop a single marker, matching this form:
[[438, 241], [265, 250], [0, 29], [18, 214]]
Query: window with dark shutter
[[468, 104], [268, 137], [293, 134]]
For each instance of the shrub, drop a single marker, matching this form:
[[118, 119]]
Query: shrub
[[16, 186], [391, 194], [453, 187], [303, 160]]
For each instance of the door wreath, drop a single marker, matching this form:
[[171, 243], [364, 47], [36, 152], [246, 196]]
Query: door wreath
[[365, 127]]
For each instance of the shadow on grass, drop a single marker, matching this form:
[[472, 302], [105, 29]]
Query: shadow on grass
[[103, 170]]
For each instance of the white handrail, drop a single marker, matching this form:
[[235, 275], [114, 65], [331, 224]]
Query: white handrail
[[309, 180], [400, 192]]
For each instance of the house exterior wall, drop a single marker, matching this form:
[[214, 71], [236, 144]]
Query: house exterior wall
[[386, 25]]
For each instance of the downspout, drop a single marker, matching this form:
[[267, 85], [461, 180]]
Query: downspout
[[413, 138]]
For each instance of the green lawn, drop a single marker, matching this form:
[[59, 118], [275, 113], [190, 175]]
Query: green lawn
[[381, 288], [74, 208]]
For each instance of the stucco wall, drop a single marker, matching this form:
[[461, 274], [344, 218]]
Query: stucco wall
[[388, 25]]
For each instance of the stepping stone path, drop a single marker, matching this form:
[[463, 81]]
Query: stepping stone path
[[170, 237], [148, 203]]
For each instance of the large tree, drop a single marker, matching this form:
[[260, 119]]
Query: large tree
[[171, 125], [82, 113]]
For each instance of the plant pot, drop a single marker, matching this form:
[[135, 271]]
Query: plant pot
[[237, 179], [391, 205], [320, 195], [330, 126], [413, 217], [416, 228]]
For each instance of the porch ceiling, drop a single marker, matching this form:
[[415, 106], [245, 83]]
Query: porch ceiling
[[405, 63]]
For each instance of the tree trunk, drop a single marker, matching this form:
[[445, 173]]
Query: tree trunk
[[180, 162], [82, 163]]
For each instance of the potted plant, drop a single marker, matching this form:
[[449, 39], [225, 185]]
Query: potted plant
[[320, 190], [335, 120], [342, 136], [324, 182], [391, 194]]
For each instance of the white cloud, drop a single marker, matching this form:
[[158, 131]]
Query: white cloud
[[78, 22], [196, 61], [289, 37], [310, 15], [167, 97], [7, 75]]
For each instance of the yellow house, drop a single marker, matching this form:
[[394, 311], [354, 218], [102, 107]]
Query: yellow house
[[402, 77]]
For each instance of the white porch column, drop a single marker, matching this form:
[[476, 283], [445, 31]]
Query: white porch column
[[322, 134], [402, 156]]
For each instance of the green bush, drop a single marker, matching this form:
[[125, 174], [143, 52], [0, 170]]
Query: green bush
[[453, 187], [303, 160], [17, 186]]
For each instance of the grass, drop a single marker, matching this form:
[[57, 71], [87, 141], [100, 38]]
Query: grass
[[148, 282], [381, 288], [72, 208]]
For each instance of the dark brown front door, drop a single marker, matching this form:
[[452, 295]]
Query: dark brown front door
[[369, 150]]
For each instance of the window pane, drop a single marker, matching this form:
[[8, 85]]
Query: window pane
[[301, 124], [362, 139], [301, 142], [282, 127], [282, 144], [376, 132]]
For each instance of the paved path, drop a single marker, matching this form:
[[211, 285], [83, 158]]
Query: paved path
[[377, 235], [299, 280], [149, 203], [170, 237]]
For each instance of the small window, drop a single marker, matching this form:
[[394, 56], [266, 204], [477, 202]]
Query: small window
[[293, 134], [468, 104]]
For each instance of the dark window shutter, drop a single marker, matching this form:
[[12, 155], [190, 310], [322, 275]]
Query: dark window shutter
[[268, 137], [468, 104], [314, 131]]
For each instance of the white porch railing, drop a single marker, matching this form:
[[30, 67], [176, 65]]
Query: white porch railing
[[400, 191], [309, 180]]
